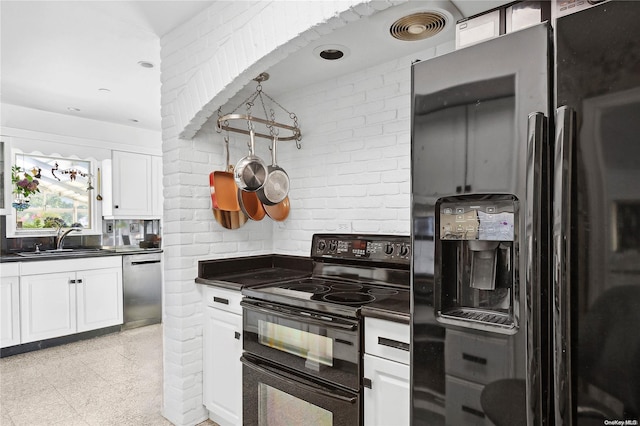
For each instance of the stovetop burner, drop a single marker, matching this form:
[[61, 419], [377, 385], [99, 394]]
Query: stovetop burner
[[307, 287], [349, 298]]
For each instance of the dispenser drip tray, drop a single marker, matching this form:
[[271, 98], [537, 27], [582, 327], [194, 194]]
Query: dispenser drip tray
[[479, 315]]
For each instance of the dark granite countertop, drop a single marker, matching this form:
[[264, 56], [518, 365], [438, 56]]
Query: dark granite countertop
[[81, 253], [238, 272]]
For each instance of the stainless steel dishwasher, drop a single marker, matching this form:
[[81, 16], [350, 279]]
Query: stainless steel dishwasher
[[142, 282]]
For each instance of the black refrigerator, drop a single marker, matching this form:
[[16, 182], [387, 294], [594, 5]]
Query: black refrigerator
[[526, 226]]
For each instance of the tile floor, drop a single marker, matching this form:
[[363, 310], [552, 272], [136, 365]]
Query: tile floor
[[110, 380]]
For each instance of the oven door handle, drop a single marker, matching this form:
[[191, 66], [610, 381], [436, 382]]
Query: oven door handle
[[283, 312], [314, 389]]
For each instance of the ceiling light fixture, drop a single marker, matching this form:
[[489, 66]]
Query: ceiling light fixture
[[331, 52], [145, 64]]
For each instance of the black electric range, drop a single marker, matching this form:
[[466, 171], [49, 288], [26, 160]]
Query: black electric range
[[349, 272]]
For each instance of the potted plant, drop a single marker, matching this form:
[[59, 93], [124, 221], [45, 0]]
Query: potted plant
[[24, 186]]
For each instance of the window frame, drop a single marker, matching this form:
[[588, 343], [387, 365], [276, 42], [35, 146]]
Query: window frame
[[95, 210]]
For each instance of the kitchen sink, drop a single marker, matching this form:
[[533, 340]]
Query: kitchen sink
[[63, 252]]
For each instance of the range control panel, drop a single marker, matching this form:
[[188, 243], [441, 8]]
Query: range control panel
[[382, 248]]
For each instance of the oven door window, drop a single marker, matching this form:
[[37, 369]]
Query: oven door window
[[278, 408], [322, 346], [274, 395], [314, 348]]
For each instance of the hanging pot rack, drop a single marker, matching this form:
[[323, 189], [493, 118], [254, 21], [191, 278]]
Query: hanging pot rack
[[269, 123]]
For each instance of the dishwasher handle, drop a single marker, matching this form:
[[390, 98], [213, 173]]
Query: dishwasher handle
[[145, 262]]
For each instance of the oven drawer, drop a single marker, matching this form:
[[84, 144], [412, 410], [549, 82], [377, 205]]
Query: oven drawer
[[275, 395], [224, 299], [387, 339], [317, 344]]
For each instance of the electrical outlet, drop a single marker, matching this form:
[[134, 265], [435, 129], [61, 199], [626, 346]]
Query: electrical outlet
[[344, 227], [109, 228]]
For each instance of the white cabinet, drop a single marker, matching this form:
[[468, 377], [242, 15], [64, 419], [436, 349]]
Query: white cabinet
[[132, 186], [62, 297], [222, 369], [386, 373], [99, 298], [9, 305], [157, 187], [5, 178]]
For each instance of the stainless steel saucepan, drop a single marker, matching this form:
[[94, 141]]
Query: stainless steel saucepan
[[276, 185], [250, 172]]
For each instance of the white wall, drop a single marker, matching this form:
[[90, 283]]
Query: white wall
[[353, 168]]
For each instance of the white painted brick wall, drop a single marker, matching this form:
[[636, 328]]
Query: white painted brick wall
[[353, 168], [204, 63]]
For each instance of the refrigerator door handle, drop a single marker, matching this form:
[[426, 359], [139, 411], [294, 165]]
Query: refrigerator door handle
[[536, 278], [563, 195]]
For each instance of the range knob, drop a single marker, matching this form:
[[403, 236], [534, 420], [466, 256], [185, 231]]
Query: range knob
[[333, 245], [321, 245], [404, 250], [388, 248]]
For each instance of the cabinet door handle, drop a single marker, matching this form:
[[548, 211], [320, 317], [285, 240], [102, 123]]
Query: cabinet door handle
[[367, 383], [116, 206], [473, 411], [467, 188], [221, 300], [458, 189], [79, 281], [473, 358], [72, 281], [237, 335], [393, 344]]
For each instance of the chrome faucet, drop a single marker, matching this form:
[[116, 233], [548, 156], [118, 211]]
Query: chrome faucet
[[61, 236]]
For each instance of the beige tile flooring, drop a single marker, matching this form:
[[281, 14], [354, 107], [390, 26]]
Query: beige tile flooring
[[109, 380]]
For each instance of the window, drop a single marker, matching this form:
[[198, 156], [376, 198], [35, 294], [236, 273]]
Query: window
[[64, 196]]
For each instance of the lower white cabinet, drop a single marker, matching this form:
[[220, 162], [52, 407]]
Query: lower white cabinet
[[99, 298], [9, 305], [386, 373], [222, 369], [62, 297]]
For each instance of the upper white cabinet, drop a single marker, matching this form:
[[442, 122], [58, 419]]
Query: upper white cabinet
[[157, 187], [5, 178], [62, 297], [132, 186], [9, 305]]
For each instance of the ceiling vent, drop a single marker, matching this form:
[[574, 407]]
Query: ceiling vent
[[418, 26]]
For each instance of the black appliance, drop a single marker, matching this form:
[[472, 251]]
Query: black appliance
[[302, 337], [525, 156]]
